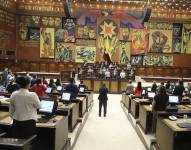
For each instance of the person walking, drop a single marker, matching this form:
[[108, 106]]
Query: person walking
[[103, 99]]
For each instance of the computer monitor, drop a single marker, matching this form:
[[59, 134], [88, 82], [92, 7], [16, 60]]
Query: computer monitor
[[151, 94], [66, 96], [48, 107], [173, 99], [59, 88], [82, 89], [143, 92], [48, 90], [148, 89]]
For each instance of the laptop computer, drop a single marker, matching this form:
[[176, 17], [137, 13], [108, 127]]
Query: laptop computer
[[173, 102], [66, 97]]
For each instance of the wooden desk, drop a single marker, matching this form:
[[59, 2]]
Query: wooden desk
[[171, 137], [127, 101], [134, 107], [82, 106], [42, 74], [73, 114], [51, 136], [145, 117]]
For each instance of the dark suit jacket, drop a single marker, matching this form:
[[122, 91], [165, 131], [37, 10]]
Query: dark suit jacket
[[103, 94]]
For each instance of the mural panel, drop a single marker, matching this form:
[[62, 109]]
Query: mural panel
[[177, 37], [160, 41], [34, 34], [186, 45], [59, 35], [140, 41], [85, 54], [86, 32], [69, 25], [46, 42], [137, 60], [158, 60], [65, 52], [125, 50], [125, 34], [108, 39]]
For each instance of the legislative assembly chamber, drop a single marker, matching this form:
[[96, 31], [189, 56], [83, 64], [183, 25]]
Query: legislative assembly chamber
[[95, 74]]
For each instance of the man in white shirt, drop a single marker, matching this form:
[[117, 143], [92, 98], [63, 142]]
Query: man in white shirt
[[122, 74], [23, 109], [107, 74]]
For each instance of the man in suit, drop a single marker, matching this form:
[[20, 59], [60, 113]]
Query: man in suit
[[103, 99]]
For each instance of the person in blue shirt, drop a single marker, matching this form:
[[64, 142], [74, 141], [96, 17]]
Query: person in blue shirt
[[72, 88]]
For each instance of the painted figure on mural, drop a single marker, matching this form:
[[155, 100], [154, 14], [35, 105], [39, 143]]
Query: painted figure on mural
[[23, 32], [187, 42], [47, 42]]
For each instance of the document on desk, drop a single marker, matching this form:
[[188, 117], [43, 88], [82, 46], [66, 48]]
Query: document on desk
[[4, 100]]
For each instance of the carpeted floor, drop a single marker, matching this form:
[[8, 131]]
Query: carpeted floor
[[113, 132]]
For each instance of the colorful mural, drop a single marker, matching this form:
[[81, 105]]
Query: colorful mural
[[125, 34], [64, 52], [125, 51], [136, 60], [46, 42], [158, 25], [140, 41], [177, 37], [69, 25], [86, 32], [59, 35], [85, 54], [160, 41], [108, 37], [186, 43], [158, 60], [34, 34]]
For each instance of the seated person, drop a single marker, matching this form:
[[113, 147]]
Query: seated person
[[138, 89], [130, 88], [179, 89], [33, 80], [167, 86], [154, 87], [39, 88], [160, 102], [122, 74], [44, 81], [72, 88], [115, 73], [81, 85], [52, 84], [12, 86], [90, 71], [107, 74], [58, 82]]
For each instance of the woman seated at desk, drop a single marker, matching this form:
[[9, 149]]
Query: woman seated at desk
[[139, 89], [160, 102]]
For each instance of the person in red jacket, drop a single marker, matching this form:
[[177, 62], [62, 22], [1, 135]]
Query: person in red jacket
[[106, 57], [138, 89], [39, 88]]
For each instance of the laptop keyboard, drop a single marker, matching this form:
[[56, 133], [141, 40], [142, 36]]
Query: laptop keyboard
[[42, 120]]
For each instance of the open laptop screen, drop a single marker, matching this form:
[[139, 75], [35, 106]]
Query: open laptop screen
[[66, 96], [47, 106], [82, 89], [173, 99], [48, 90], [151, 94]]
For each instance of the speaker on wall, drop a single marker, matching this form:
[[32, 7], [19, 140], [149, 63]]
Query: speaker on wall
[[67, 9], [147, 14]]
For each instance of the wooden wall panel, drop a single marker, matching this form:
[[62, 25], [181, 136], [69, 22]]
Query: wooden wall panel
[[34, 67], [44, 67], [114, 86]]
